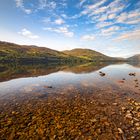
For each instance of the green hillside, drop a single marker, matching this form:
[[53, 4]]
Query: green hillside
[[87, 54], [10, 52], [13, 52]]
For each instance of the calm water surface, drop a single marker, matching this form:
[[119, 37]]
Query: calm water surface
[[38, 79]]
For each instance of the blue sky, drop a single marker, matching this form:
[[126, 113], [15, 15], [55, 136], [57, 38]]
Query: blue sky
[[108, 26]]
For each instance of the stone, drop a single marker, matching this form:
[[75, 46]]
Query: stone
[[129, 116], [120, 130], [115, 104], [132, 74], [102, 74], [137, 124], [123, 109], [138, 128]]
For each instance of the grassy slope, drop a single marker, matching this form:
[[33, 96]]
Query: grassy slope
[[87, 54], [10, 51]]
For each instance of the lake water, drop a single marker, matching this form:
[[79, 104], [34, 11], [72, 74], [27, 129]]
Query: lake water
[[83, 101], [86, 76]]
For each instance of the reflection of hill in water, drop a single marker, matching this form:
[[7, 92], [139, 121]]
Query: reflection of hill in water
[[8, 72], [134, 63], [85, 68], [12, 71]]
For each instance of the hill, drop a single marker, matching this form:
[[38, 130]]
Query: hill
[[24, 53], [88, 54], [10, 52], [134, 58]]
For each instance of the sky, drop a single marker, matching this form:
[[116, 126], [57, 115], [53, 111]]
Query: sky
[[111, 27]]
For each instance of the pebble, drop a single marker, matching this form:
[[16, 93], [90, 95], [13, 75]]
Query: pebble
[[102, 74], [120, 130], [123, 109], [115, 104], [137, 124], [129, 116], [132, 74], [138, 128], [132, 137]]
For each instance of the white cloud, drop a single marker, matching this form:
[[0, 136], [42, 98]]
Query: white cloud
[[134, 21], [46, 4], [111, 16], [103, 18], [98, 11], [20, 4], [62, 30], [132, 35], [111, 29], [132, 17], [96, 5], [52, 5], [42, 4], [88, 37], [82, 2], [26, 33], [46, 20], [116, 6], [28, 11], [64, 16], [103, 12], [59, 21], [103, 24]]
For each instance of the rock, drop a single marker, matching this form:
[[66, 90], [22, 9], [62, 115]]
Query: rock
[[129, 116], [123, 109], [115, 104], [132, 137], [137, 124], [135, 119], [13, 112], [93, 120], [128, 111], [102, 74], [132, 74], [47, 86], [138, 114], [138, 108], [120, 130], [121, 81], [136, 104], [138, 128]]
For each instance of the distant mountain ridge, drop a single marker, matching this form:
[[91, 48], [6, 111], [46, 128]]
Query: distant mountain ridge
[[134, 58], [10, 52]]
